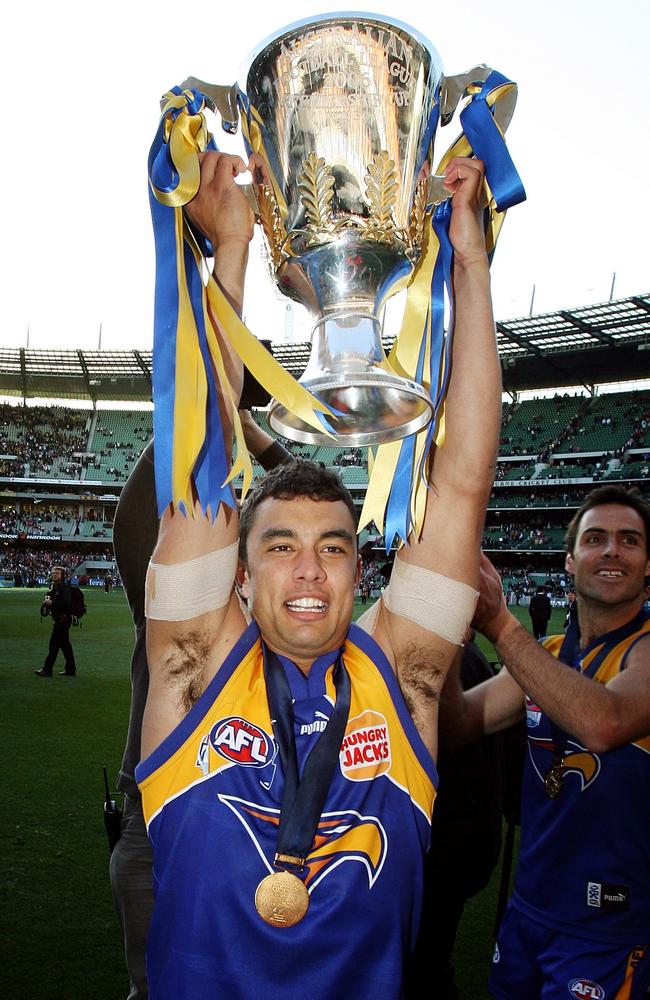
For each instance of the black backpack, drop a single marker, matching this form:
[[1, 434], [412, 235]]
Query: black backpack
[[77, 604]]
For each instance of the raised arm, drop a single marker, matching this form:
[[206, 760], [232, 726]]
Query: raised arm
[[463, 469], [184, 654]]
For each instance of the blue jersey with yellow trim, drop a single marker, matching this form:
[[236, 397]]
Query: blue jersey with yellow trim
[[211, 795], [584, 861]]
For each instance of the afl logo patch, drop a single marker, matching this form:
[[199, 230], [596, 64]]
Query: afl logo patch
[[586, 989], [533, 714], [242, 742]]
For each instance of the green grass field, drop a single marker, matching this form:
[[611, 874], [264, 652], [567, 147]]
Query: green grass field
[[62, 940]]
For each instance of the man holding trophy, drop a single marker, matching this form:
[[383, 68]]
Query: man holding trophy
[[287, 771]]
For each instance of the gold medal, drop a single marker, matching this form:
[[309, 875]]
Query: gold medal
[[281, 899], [553, 781]]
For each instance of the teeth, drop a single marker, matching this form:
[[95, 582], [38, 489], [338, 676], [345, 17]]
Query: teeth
[[609, 572], [307, 604]]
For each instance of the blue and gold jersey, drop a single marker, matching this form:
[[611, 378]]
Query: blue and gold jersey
[[584, 862], [211, 796]]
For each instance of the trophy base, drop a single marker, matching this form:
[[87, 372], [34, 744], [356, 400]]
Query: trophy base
[[374, 407]]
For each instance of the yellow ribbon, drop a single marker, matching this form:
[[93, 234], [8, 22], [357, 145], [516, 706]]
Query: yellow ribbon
[[403, 357], [262, 364], [187, 135]]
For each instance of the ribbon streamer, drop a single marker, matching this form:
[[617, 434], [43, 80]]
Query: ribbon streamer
[[398, 480], [192, 319]]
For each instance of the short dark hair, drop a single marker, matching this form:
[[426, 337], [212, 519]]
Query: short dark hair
[[610, 494], [299, 478]]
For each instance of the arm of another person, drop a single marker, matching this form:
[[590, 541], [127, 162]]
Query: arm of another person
[[487, 708], [601, 716], [463, 469], [184, 655], [496, 703]]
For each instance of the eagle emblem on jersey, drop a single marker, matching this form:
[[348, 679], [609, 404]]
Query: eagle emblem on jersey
[[578, 761], [341, 836]]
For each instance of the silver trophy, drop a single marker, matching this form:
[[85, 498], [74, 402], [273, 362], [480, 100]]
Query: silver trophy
[[339, 112]]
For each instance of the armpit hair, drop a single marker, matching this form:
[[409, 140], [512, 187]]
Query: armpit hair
[[185, 667], [421, 675]]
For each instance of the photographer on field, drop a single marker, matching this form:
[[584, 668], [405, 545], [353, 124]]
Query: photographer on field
[[58, 604]]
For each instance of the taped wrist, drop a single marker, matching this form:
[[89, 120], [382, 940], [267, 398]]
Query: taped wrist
[[188, 589], [435, 602]]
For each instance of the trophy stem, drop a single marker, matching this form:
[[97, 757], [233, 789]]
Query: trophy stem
[[349, 372]]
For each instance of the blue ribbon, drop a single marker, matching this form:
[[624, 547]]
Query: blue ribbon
[[398, 511], [488, 144], [484, 136], [212, 466], [441, 279], [430, 131], [165, 318]]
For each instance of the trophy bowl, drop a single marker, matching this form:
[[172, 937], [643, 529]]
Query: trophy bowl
[[337, 112]]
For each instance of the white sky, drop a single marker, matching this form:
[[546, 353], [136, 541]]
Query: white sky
[[81, 83]]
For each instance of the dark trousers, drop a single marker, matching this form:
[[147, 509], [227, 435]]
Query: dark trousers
[[60, 640], [131, 881], [431, 963], [540, 627]]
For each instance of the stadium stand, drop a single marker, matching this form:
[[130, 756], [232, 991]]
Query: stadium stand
[[62, 469]]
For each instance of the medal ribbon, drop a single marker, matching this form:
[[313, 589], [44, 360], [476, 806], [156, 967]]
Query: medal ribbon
[[304, 798]]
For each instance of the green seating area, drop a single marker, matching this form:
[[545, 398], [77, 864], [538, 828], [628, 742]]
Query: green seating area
[[532, 424], [566, 471], [630, 470], [605, 426], [547, 539], [117, 442], [45, 439]]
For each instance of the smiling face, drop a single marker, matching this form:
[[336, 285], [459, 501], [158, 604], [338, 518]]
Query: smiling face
[[610, 558], [300, 575]]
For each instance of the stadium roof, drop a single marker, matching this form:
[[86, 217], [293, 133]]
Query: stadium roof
[[589, 345]]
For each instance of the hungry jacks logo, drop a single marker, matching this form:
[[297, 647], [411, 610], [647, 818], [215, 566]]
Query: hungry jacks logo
[[365, 750]]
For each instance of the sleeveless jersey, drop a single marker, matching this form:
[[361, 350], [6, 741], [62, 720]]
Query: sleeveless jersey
[[211, 795], [584, 861]]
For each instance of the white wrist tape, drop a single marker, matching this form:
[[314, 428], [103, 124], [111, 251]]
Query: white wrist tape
[[186, 590], [435, 602]]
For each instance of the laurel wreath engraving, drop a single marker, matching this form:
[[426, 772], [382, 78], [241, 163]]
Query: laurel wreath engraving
[[382, 188], [272, 224], [316, 186], [418, 214]]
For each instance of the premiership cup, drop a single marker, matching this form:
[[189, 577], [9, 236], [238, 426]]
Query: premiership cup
[[339, 114]]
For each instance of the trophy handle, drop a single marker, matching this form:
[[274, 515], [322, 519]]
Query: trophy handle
[[437, 193], [223, 100], [219, 98], [453, 88]]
